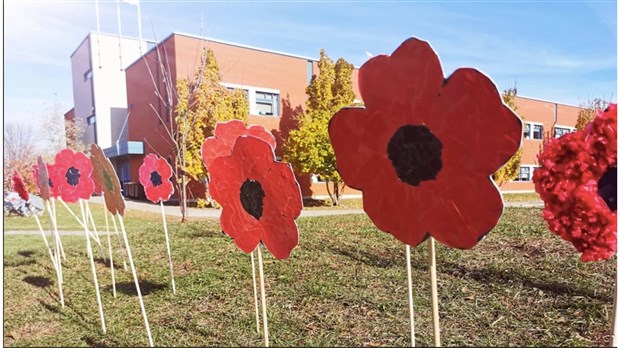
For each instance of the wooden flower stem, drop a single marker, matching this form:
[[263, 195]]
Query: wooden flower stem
[[255, 292], [62, 250], [107, 227], [435, 302], [614, 321], [54, 257], [92, 222], [135, 279], [118, 238], [410, 286], [95, 237], [92, 264], [163, 216], [262, 296]]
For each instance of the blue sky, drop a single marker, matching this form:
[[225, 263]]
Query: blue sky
[[564, 51]]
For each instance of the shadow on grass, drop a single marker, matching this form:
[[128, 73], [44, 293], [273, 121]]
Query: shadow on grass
[[18, 263], [26, 253], [494, 276], [310, 202], [370, 259], [146, 287], [40, 282]]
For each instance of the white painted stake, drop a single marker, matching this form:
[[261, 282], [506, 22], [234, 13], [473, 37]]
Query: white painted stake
[[135, 279], [262, 296], [107, 228], [56, 253], [255, 292], [120, 245], [433, 271], [92, 222], [92, 264], [96, 238], [59, 241], [163, 216], [47, 245], [616, 326], [410, 285]]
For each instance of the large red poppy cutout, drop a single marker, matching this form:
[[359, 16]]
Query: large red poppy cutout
[[225, 135], [155, 173], [260, 197], [423, 148], [71, 174], [106, 181], [577, 181]]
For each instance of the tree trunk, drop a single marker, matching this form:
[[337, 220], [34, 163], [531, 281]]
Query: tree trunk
[[335, 194]]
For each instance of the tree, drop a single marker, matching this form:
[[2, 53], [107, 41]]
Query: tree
[[192, 107], [19, 154], [59, 132], [511, 169], [308, 148], [202, 103], [588, 111]]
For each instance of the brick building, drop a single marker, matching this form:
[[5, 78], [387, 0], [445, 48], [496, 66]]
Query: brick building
[[116, 95]]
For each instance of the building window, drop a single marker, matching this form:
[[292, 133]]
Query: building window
[[526, 173], [558, 131], [90, 119], [533, 131], [526, 131], [88, 75], [267, 103]]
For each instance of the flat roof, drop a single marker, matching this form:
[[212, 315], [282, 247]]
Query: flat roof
[[547, 101]]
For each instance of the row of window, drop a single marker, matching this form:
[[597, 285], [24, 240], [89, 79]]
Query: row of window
[[535, 130], [526, 173], [262, 101]]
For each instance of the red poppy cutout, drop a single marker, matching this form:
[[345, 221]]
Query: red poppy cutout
[[46, 187], [260, 197], [225, 135], [577, 181], [19, 186], [105, 176], [155, 173], [423, 148], [72, 175]]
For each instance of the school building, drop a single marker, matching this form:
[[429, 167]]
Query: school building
[[121, 85]]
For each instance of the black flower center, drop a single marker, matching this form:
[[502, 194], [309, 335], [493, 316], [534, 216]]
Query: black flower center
[[608, 188], [155, 179], [49, 182], [73, 176], [415, 153], [252, 195]]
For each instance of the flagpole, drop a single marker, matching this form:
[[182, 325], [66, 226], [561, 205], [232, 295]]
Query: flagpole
[[140, 26], [118, 14], [98, 31]]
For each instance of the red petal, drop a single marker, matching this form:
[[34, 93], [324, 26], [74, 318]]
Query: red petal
[[244, 229], [412, 74], [280, 236]]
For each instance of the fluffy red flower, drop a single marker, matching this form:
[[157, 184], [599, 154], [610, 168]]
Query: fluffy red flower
[[260, 197], [71, 174], [155, 175], [225, 135], [19, 186], [577, 181], [423, 148]]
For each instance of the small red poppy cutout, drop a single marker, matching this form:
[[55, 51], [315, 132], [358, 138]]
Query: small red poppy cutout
[[44, 183], [155, 173], [19, 186], [71, 175], [225, 135], [577, 181], [260, 197], [423, 148]]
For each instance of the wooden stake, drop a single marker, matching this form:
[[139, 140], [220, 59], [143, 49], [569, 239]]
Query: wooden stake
[[96, 238], [58, 250], [92, 222], [92, 264], [262, 296], [107, 228], [135, 279], [55, 261], [120, 245], [62, 250], [410, 285], [163, 215], [614, 321], [433, 271], [255, 292]]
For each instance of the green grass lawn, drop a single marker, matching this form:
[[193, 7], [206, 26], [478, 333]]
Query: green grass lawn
[[344, 285]]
